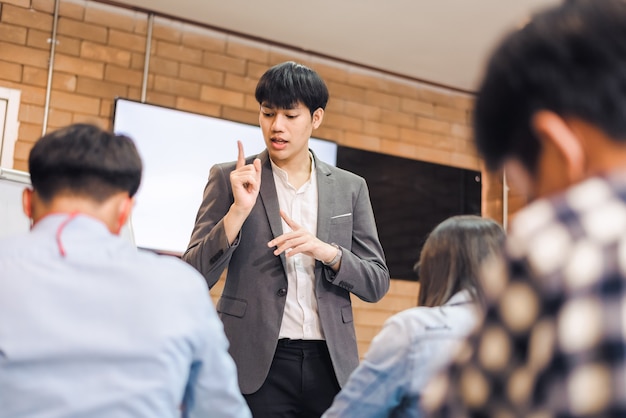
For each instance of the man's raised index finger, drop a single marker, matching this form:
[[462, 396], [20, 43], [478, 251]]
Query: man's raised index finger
[[241, 158]]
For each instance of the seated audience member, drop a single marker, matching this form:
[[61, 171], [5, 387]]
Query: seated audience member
[[414, 344], [551, 111], [89, 325]]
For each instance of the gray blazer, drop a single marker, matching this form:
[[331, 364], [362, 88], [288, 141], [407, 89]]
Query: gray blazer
[[252, 303]]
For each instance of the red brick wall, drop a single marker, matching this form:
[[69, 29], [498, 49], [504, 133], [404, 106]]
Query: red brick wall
[[100, 54]]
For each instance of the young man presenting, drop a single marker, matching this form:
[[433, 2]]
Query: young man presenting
[[297, 236], [89, 325], [552, 111]]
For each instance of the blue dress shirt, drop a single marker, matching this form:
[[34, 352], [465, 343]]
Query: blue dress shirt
[[412, 347], [107, 330]]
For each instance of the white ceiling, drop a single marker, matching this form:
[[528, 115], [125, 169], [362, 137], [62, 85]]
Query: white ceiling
[[444, 42]]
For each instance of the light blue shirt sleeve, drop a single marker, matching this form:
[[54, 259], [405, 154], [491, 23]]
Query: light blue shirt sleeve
[[212, 389], [412, 346], [381, 383]]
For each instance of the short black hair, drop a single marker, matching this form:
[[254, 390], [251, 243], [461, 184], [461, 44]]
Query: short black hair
[[286, 84], [570, 60], [84, 160]]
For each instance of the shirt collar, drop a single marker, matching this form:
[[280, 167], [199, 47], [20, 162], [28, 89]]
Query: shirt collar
[[59, 223], [282, 174], [459, 298]]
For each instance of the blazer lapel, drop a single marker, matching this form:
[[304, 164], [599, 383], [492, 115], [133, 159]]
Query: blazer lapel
[[325, 201], [269, 199]]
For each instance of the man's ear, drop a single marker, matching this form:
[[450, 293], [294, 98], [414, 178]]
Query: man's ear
[[27, 202], [550, 127], [124, 209], [317, 118]]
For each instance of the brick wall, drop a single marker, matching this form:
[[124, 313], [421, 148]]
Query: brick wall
[[100, 54]]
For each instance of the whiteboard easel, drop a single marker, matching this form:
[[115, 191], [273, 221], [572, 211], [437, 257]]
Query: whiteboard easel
[[12, 218]]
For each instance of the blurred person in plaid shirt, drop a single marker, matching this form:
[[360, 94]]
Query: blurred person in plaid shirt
[[551, 112]]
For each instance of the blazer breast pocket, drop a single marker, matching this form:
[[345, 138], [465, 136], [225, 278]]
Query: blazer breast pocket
[[341, 218], [341, 228], [232, 306]]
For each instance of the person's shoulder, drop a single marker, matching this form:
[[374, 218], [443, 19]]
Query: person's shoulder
[[551, 235], [445, 320], [227, 166], [164, 261], [12, 240], [14, 244], [416, 320], [171, 271], [581, 211], [339, 173], [410, 317], [567, 206]]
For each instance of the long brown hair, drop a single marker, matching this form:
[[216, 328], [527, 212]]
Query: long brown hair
[[451, 258]]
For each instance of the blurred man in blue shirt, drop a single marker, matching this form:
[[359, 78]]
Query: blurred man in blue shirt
[[89, 325]]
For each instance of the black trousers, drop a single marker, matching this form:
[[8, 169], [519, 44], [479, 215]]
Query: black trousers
[[301, 382]]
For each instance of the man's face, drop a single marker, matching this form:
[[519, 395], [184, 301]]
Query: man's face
[[287, 131]]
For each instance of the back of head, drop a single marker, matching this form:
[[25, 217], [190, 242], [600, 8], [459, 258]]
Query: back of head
[[286, 84], [84, 160], [452, 256], [570, 60]]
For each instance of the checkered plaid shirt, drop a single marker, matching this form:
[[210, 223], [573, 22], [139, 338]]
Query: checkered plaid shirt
[[553, 343]]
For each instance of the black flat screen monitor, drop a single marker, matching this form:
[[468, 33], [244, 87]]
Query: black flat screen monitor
[[409, 199]]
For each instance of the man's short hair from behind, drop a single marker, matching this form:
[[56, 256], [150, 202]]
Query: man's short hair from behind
[[286, 84], [570, 60], [84, 160]]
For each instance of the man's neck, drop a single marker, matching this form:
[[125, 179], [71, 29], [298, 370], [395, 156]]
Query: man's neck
[[106, 212], [298, 170], [602, 153]]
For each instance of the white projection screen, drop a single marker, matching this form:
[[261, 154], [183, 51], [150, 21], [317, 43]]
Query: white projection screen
[[178, 149]]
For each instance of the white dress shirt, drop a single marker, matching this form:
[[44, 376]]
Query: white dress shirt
[[301, 317]]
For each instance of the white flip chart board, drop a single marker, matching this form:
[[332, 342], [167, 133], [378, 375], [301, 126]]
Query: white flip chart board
[[12, 218]]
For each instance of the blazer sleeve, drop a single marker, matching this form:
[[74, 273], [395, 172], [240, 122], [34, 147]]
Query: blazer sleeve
[[209, 251], [363, 270]]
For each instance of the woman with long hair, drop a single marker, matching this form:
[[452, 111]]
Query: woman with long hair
[[416, 343]]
